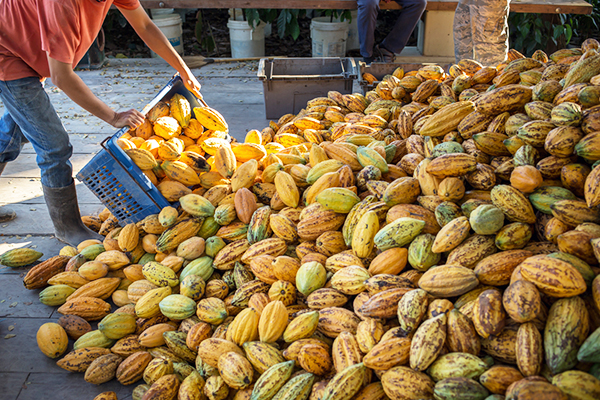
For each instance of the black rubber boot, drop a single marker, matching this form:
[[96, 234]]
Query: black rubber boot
[[6, 214], [64, 212]]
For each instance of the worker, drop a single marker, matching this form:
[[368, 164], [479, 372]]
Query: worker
[[47, 39], [395, 41], [481, 31]]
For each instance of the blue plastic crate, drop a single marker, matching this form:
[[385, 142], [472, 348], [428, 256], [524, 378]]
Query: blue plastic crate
[[120, 184], [120, 190]]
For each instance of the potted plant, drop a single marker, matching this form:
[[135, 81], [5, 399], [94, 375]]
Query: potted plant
[[329, 33], [286, 19], [246, 34], [253, 22]]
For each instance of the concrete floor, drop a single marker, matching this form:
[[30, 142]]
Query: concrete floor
[[25, 373]]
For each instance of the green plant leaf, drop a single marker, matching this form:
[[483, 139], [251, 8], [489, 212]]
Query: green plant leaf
[[199, 27], [252, 17], [519, 43], [208, 43], [563, 18], [538, 36], [558, 30], [294, 28], [268, 15], [568, 33], [282, 23]]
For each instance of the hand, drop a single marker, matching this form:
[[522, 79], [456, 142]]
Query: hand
[[131, 118], [192, 84], [156, 40]]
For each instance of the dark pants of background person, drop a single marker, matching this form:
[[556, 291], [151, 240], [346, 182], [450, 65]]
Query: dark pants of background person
[[400, 33]]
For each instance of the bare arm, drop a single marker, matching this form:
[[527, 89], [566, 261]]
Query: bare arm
[[68, 81], [157, 41]]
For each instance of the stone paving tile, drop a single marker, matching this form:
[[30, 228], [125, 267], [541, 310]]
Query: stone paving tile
[[48, 245], [234, 86], [33, 219], [82, 143], [22, 350], [29, 191], [18, 302], [70, 386], [245, 119], [242, 69], [38, 373], [20, 190], [25, 165], [11, 384]]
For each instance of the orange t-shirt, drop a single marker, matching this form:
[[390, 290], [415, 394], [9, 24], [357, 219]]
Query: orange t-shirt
[[64, 28]]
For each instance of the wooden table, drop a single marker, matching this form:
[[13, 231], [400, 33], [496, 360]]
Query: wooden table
[[521, 6], [435, 38]]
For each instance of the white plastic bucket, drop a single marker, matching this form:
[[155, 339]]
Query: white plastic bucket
[[170, 26], [239, 16], [160, 12], [245, 41], [353, 43], [328, 38]]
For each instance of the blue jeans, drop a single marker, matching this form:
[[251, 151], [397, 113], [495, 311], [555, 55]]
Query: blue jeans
[[400, 33], [30, 114]]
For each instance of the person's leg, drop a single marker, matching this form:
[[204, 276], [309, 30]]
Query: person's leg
[[10, 139], [64, 213], [366, 20], [463, 31], [6, 213], [405, 24], [10, 147], [30, 108], [490, 36]]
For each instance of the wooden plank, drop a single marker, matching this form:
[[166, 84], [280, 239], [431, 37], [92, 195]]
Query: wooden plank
[[27, 357], [25, 166], [523, 6], [48, 245], [88, 143], [69, 387], [33, 219], [275, 4], [20, 302], [11, 384], [551, 7], [29, 191]]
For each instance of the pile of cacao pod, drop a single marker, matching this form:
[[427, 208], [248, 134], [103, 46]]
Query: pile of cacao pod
[[436, 238], [170, 146]]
